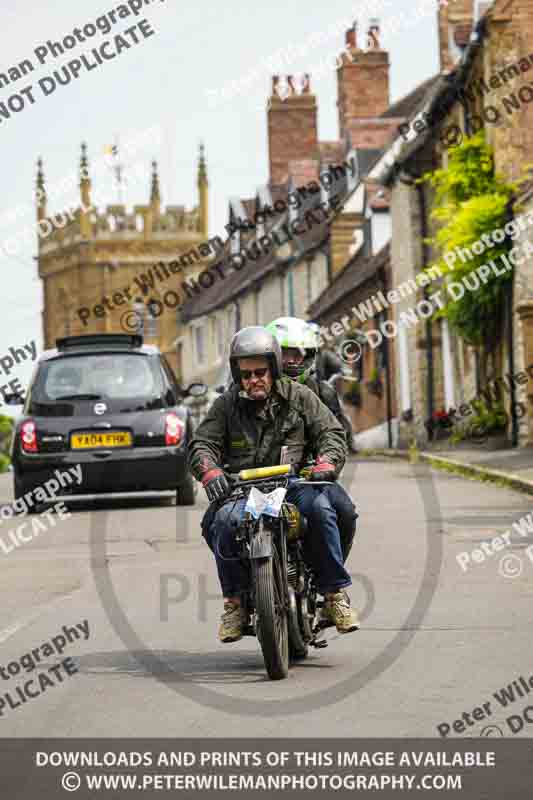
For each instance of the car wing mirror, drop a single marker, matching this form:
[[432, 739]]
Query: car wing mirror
[[196, 390]]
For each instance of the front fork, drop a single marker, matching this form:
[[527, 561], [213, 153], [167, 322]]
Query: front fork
[[257, 543]]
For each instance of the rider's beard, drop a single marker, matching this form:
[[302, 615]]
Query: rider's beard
[[258, 392]]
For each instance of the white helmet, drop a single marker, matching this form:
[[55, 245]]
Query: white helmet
[[292, 332]]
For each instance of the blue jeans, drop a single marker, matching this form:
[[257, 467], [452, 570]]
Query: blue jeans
[[346, 515], [322, 546]]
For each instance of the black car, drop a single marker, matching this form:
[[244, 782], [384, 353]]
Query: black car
[[111, 404]]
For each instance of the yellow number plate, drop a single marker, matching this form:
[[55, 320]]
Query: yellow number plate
[[85, 441]]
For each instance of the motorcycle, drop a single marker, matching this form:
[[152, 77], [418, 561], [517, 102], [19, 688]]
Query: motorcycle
[[280, 605]]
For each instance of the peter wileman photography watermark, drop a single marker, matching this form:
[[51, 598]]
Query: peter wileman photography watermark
[[41, 681], [511, 565], [40, 523], [138, 290], [491, 394], [427, 307], [108, 163], [451, 135], [284, 57], [518, 689], [487, 549], [176, 588], [88, 61], [14, 357]]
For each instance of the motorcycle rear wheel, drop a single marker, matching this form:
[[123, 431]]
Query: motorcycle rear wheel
[[272, 627], [298, 649]]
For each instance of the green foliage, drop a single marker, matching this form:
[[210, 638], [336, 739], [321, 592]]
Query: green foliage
[[470, 200], [6, 428], [487, 420]]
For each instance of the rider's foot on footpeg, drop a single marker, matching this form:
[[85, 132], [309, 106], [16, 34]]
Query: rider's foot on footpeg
[[232, 623], [337, 611]]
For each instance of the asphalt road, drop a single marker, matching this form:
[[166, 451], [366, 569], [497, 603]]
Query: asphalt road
[[435, 641]]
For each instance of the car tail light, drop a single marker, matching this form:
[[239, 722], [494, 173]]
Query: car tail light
[[174, 429], [28, 437]]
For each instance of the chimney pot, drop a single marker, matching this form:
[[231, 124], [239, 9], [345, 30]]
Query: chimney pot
[[351, 36], [373, 34]]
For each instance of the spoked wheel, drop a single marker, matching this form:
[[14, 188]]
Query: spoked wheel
[[272, 628]]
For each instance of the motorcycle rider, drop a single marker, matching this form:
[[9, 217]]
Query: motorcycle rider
[[298, 343], [247, 426], [299, 348]]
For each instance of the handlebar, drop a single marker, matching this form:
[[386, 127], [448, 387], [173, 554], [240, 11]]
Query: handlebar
[[265, 472]]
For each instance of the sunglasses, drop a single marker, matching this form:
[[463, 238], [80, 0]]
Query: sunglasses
[[246, 374]]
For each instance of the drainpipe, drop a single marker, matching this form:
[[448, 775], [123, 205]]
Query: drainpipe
[[429, 333], [510, 346], [386, 354], [509, 294]]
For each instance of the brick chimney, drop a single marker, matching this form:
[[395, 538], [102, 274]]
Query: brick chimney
[[456, 22], [292, 125], [363, 89]]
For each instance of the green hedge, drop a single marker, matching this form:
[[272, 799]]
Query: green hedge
[[6, 428]]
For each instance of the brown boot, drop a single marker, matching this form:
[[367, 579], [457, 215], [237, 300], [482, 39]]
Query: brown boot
[[232, 622], [337, 611]]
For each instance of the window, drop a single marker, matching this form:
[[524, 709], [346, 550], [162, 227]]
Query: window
[[127, 381], [199, 343]]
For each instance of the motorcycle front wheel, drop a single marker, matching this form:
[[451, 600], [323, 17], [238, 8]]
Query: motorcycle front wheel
[[272, 628]]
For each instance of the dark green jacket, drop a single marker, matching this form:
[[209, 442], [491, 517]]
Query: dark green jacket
[[327, 394], [238, 433], [329, 397]]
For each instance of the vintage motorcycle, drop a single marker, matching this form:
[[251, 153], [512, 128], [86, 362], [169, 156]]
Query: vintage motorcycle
[[281, 602]]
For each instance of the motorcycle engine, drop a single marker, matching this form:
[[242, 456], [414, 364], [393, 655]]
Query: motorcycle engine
[[293, 519]]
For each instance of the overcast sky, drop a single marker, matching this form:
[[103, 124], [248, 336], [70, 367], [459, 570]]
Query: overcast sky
[[173, 80]]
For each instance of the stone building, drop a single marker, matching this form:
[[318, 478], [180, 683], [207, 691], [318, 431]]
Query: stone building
[[288, 279], [102, 271], [484, 52]]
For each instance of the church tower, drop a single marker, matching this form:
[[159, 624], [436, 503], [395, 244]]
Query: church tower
[[106, 270]]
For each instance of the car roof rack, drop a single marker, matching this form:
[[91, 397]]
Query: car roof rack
[[125, 340]]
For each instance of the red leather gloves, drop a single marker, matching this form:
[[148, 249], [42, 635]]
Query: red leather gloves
[[215, 484], [322, 471]]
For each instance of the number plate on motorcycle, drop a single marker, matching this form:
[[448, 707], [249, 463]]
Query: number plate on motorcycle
[[259, 503]]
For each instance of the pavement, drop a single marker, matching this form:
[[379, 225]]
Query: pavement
[[516, 461], [435, 643], [512, 467]]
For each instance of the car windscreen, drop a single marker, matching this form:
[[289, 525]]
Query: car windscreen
[[125, 382]]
